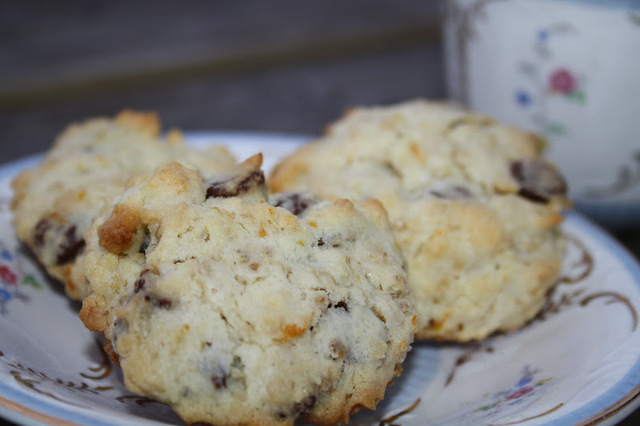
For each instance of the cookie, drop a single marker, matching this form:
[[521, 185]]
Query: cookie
[[475, 207], [56, 201], [234, 310]]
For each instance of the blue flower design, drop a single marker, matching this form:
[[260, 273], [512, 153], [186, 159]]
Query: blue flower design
[[523, 98], [5, 297], [543, 35], [524, 381], [4, 254]]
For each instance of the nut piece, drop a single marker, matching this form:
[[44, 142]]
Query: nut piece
[[116, 234]]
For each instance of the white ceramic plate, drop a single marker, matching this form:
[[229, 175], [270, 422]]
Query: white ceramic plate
[[578, 362]]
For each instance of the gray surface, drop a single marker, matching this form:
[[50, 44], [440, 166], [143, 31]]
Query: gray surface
[[43, 48], [296, 97]]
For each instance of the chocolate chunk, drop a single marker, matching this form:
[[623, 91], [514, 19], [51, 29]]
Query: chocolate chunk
[[219, 380], [160, 302], [296, 202], [41, 229], [164, 303], [145, 243], [532, 196], [70, 243], [304, 406], [341, 304], [236, 185], [141, 283], [539, 181], [138, 285], [70, 247]]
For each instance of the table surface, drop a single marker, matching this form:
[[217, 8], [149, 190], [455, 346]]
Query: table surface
[[281, 66]]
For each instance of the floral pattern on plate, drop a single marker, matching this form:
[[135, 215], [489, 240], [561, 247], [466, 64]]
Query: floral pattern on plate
[[14, 279]]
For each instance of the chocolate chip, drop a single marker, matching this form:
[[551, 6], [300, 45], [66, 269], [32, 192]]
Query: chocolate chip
[[70, 247], [219, 380], [141, 283], [304, 406], [296, 202], [341, 304], [160, 302], [41, 229], [539, 181], [236, 185], [145, 243], [138, 285], [164, 303], [320, 242], [218, 190], [532, 196]]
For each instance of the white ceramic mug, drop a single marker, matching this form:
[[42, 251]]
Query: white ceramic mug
[[568, 70]]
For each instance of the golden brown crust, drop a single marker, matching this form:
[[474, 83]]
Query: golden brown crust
[[145, 122], [113, 356], [93, 315], [116, 233], [289, 169]]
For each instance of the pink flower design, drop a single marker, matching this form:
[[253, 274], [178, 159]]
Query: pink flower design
[[562, 81], [518, 393], [7, 276]]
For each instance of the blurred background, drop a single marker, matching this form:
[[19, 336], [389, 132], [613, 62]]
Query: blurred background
[[280, 65]]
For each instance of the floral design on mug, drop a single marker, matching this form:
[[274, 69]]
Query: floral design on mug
[[546, 82], [564, 82]]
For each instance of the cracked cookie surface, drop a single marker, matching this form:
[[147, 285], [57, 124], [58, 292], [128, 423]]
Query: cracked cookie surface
[[56, 201], [234, 310], [475, 207]]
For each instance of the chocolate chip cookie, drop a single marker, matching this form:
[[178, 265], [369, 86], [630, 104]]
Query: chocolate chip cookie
[[56, 201], [475, 206], [236, 309]]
